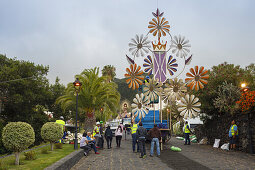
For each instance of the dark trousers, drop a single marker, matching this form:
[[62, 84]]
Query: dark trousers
[[134, 142], [187, 138], [86, 148], [142, 146], [118, 140], [109, 141], [92, 145]]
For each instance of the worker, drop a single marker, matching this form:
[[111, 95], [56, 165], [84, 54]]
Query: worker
[[147, 79], [62, 123], [233, 135], [96, 133], [187, 133], [134, 128]]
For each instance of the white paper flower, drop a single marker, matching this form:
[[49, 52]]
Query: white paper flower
[[152, 89], [189, 106], [175, 89], [139, 46], [140, 105], [180, 46]]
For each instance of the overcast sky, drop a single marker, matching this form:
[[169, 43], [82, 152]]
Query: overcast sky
[[71, 35]]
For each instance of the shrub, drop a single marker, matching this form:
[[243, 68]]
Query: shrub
[[45, 150], [51, 132], [18, 136], [58, 146], [31, 155]]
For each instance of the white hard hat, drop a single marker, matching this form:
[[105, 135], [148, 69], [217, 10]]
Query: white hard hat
[[61, 117], [98, 123]]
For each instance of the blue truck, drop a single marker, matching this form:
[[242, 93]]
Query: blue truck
[[148, 123]]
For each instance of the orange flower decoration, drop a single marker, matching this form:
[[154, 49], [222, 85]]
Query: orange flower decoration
[[134, 76], [197, 78], [159, 26]]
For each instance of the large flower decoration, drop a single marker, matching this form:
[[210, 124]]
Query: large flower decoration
[[152, 89], [134, 76], [148, 65], [180, 46], [189, 106], [196, 78], [140, 105], [176, 89], [139, 45], [171, 65], [159, 26]]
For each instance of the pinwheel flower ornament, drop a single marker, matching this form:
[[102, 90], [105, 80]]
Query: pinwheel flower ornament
[[196, 78], [159, 26], [180, 46], [148, 65], [189, 106], [176, 89], [139, 45], [152, 89], [140, 105], [134, 76]]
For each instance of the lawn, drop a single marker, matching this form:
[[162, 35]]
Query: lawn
[[42, 160]]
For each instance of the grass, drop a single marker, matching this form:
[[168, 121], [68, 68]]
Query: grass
[[42, 160]]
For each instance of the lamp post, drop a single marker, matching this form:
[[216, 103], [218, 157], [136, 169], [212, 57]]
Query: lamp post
[[77, 86], [245, 88]]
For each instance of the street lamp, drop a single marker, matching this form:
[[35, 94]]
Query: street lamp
[[77, 86]]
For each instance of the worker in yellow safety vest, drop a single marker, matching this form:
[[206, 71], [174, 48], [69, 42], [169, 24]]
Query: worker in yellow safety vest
[[187, 133], [62, 123], [134, 128], [233, 135], [96, 133]]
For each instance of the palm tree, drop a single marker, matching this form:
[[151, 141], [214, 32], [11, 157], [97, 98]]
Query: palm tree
[[95, 93], [109, 71]]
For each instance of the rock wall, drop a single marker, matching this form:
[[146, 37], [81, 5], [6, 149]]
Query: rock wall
[[218, 128]]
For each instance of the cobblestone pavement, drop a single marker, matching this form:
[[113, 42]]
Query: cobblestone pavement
[[207, 156], [121, 158], [194, 156]]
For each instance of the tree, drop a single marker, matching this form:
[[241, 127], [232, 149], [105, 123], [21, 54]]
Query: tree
[[23, 86], [223, 73], [95, 93], [57, 90], [51, 132], [18, 136], [109, 72]]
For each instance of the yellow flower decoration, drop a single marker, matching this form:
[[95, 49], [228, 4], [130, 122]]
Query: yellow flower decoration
[[134, 76], [197, 78], [159, 26], [152, 89], [176, 89]]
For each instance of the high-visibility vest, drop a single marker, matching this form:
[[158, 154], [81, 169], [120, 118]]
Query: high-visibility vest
[[186, 129], [134, 128], [233, 131], [96, 131], [62, 123]]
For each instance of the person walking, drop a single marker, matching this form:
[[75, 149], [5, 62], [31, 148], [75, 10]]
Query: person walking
[[118, 135], [141, 134], [108, 136], [134, 128], [84, 144], [155, 135], [233, 135], [96, 133], [187, 133]]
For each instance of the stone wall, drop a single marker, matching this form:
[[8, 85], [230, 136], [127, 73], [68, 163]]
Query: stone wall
[[218, 128]]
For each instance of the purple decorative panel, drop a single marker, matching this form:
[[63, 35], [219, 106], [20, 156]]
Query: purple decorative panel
[[159, 66]]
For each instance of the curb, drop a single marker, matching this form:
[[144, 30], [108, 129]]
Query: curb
[[67, 162]]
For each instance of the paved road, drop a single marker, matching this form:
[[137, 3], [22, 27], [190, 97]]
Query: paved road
[[121, 158], [210, 157], [197, 157]]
